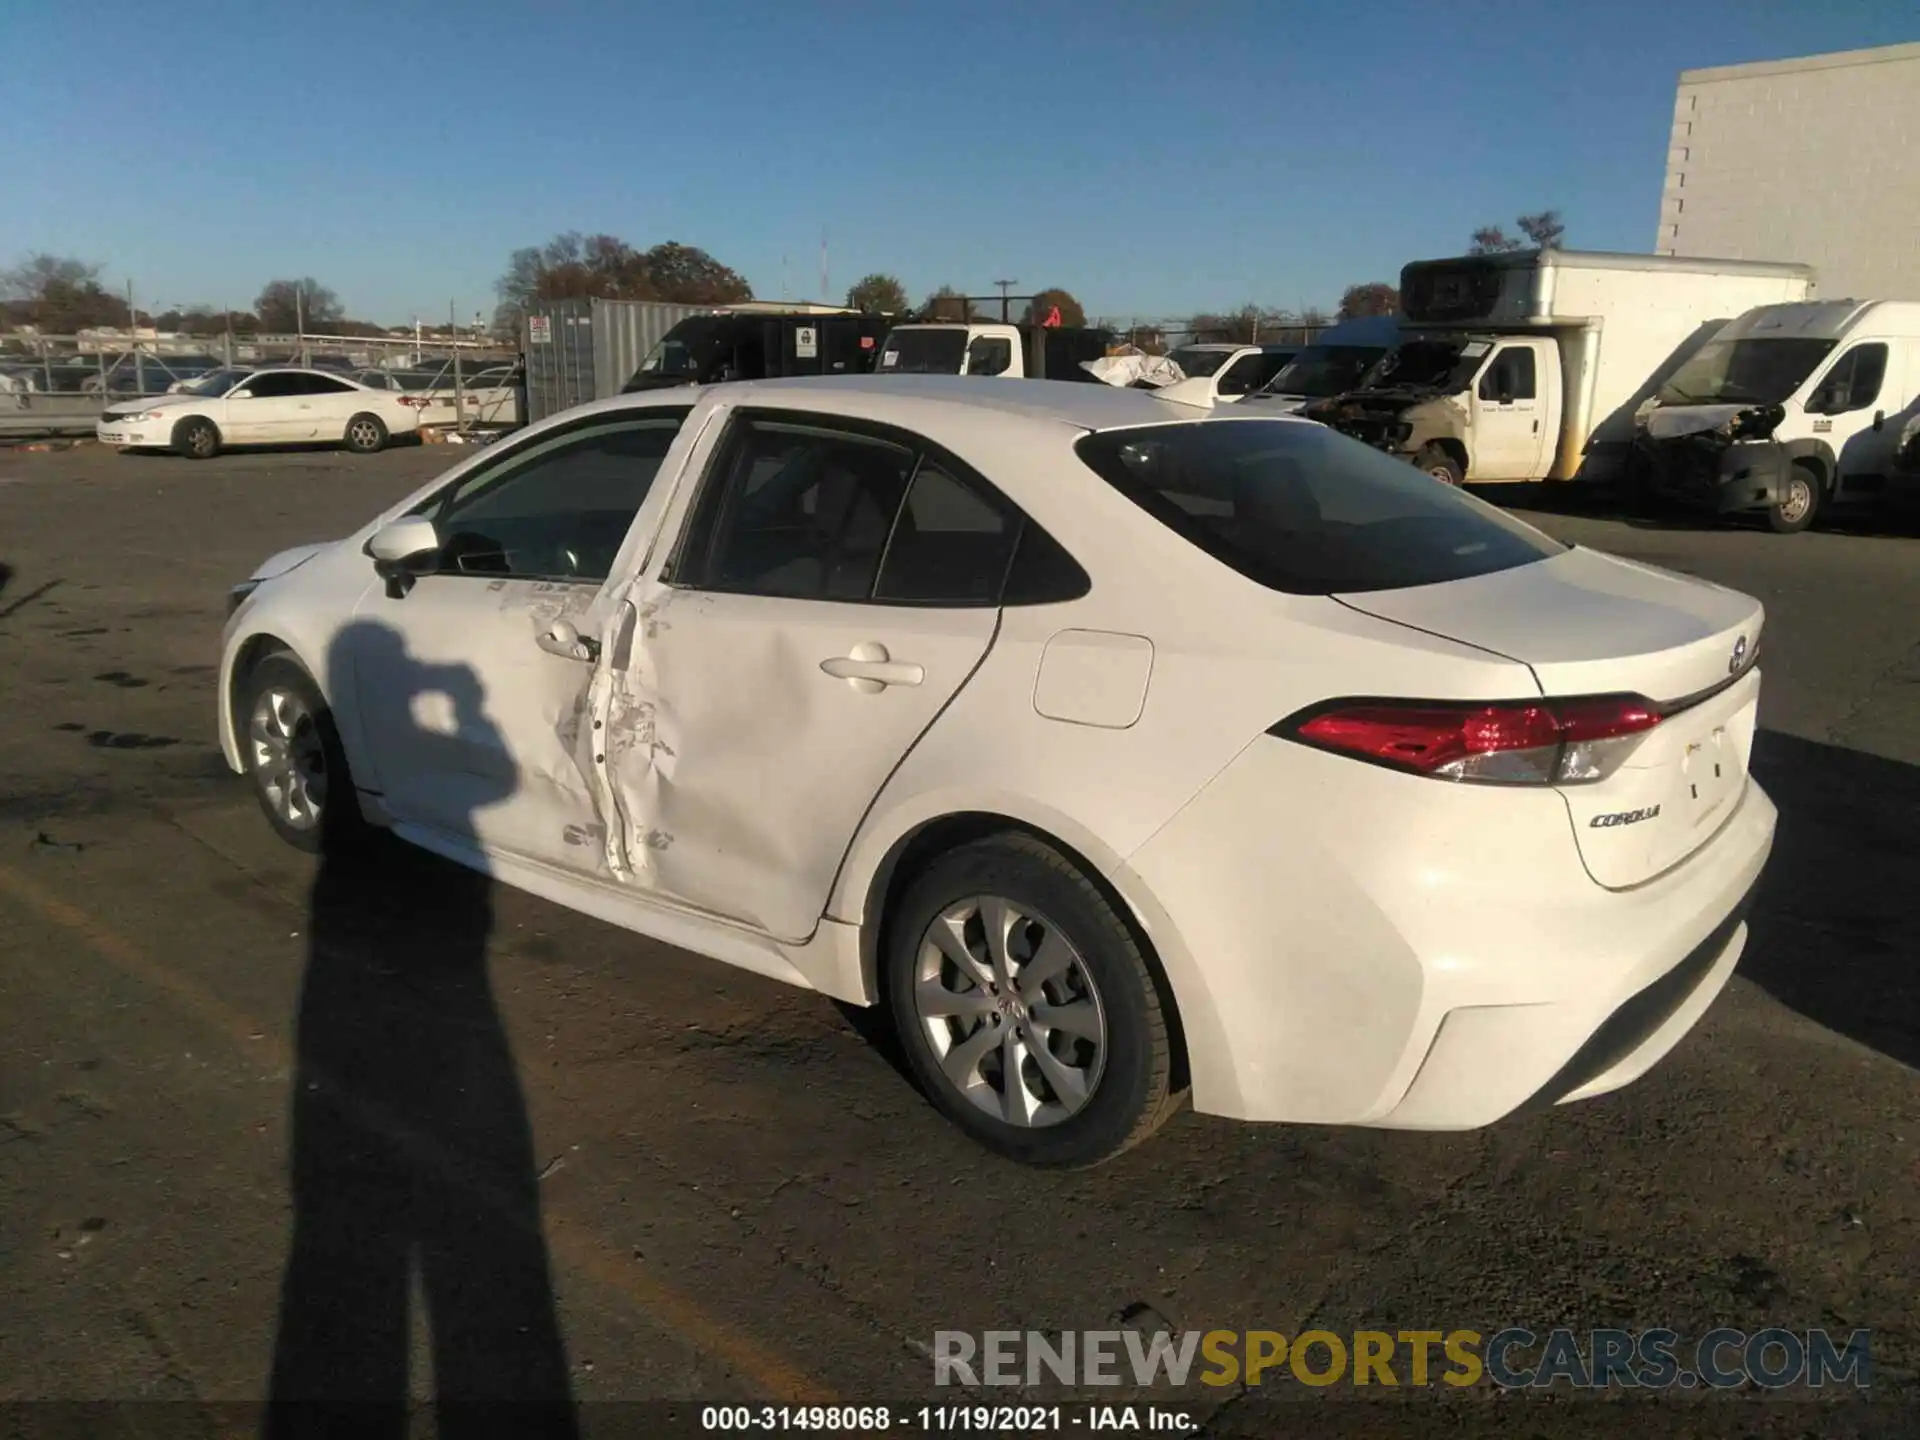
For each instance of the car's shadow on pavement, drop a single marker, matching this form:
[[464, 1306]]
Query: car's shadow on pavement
[[412, 1152], [1839, 906]]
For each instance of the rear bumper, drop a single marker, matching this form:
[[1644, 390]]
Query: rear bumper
[[1373, 949]]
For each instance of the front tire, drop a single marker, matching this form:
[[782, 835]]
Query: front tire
[[293, 757], [197, 438], [1025, 1006], [1438, 464], [1794, 511], [366, 434]]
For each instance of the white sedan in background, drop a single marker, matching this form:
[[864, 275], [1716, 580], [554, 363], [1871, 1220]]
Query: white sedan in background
[[278, 406], [1121, 748]]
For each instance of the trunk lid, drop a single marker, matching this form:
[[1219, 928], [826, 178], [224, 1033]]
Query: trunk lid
[[1592, 624]]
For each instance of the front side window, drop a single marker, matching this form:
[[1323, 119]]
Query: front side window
[[326, 385], [1854, 382], [558, 509], [1304, 510], [1510, 376], [276, 384], [1242, 377], [989, 355]]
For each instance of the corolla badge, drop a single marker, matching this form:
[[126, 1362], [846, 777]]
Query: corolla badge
[[1739, 656]]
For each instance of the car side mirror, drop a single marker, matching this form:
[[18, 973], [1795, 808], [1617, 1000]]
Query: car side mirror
[[402, 549], [241, 394], [1828, 400]]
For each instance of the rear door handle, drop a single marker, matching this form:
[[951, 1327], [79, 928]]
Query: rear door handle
[[869, 669]]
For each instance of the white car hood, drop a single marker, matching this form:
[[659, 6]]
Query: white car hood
[[274, 566], [154, 402]]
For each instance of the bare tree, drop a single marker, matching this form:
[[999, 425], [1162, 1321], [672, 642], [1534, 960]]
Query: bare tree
[[1544, 229], [1492, 240], [59, 295], [948, 304], [286, 305], [877, 294]]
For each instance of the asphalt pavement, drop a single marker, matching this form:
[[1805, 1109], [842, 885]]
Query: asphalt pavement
[[269, 1127]]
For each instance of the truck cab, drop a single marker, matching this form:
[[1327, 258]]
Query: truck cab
[[1790, 409], [1009, 352], [1236, 371], [1466, 407]]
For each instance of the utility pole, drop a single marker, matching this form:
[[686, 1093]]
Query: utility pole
[[133, 340], [1005, 286], [459, 385], [300, 318]]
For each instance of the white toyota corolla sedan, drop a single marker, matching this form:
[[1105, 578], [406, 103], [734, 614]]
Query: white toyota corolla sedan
[[260, 407], [1122, 750]]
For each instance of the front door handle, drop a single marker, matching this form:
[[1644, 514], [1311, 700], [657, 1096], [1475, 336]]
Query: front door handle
[[869, 669], [563, 639]]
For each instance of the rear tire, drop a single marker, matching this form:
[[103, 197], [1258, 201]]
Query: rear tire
[[366, 434], [1439, 465], [294, 759], [197, 438], [1069, 1015], [1795, 511]]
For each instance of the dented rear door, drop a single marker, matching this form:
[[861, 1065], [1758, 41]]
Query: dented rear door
[[748, 732]]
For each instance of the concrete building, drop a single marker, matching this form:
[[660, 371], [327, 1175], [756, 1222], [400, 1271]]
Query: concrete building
[[1816, 160]]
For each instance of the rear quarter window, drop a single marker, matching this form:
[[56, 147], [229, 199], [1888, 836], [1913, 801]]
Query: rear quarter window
[[1301, 509]]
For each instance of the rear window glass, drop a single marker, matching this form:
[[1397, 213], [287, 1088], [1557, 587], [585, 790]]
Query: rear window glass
[[1302, 509]]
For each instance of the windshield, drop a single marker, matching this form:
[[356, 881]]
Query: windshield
[[1194, 361], [1744, 372], [936, 350], [1302, 509], [1445, 366], [1322, 371], [218, 383]]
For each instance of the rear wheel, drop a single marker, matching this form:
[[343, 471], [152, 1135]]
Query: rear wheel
[[1025, 1005], [197, 438], [293, 757], [366, 434], [1794, 511], [1440, 465]]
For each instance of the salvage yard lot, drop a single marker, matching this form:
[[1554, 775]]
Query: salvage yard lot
[[741, 1197]]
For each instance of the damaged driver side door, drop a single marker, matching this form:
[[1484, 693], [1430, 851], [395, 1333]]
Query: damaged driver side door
[[471, 685]]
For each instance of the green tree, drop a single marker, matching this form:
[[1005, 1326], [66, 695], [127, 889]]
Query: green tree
[[687, 275], [877, 294], [1544, 229], [1043, 303], [573, 266], [285, 306]]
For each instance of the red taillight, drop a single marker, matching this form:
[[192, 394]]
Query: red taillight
[[1545, 742]]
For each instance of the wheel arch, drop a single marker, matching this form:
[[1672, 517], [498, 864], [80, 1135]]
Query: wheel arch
[[920, 843], [1817, 455]]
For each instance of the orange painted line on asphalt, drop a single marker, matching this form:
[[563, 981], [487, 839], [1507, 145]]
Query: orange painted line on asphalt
[[574, 1246]]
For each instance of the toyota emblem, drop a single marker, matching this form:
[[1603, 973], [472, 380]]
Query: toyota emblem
[[1739, 656]]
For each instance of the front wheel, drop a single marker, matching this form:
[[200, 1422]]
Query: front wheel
[[196, 438], [293, 757], [1025, 1006], [1794, 511], [365, 434], [1439, 465]]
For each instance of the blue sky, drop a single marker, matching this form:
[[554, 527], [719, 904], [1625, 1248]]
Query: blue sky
[[1154, 158]]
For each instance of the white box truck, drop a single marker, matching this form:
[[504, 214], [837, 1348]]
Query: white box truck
[[1790, 409], [1530, 365]]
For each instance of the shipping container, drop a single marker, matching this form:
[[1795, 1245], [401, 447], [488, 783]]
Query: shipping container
[[581, 350]]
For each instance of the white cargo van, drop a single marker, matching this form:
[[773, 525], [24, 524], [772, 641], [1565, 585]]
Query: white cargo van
[[1790, 409], [1011, 352], [1531, 365]]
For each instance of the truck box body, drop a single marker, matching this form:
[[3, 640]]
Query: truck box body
[[1011, 352], [1605, 330], [760, 345]]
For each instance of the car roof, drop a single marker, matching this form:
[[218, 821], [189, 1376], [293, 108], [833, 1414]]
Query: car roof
[[1085, 406]]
